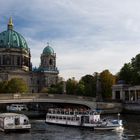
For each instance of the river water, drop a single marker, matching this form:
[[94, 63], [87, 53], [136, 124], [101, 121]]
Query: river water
[[42, 131]]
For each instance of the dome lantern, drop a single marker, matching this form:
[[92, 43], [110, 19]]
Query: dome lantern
[[10, 24]]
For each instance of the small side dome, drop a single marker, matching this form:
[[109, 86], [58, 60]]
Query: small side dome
[[48, 50]]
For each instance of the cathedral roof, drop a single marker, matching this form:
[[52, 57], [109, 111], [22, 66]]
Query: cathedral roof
[[48, 50], [11, 38]]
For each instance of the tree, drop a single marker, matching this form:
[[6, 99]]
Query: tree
[[107, 80], [56, 89], [60, 87], [3, 86], [126, 73], [44, 90], [80, 90], [17, 85], [130, 72], [52, 89], [89, 85], [135, 62], [71, 86]]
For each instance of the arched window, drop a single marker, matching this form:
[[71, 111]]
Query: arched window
[[51, 62], [18, 60]]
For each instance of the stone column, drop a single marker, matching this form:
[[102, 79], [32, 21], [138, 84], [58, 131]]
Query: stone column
[[136, 95], [113, 94], [121, 94], [98, 88], [129, 95], [64, 87], [15, 58], [1, 59]]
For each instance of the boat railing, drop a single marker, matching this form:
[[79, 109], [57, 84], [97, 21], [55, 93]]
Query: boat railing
[[72, 112], [65, 113]]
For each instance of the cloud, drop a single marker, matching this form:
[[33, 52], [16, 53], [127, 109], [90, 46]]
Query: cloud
[[87, 35]]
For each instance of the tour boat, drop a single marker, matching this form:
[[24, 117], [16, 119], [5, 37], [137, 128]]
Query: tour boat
[[90, 119], [17, 107], [14, 122]]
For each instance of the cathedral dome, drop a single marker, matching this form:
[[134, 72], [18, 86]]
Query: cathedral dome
[[12, 39], [48, 50]]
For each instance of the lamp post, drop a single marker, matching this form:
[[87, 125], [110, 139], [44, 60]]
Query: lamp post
[[98, 88], [118, 116]]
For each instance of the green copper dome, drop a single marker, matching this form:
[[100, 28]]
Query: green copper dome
[[48, 50], [12, 39]]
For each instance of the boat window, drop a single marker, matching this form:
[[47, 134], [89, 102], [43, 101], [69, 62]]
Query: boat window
[[64, 118], [1, 122], [115, 121], [77, 118], [25, 121], [73, 118], [17, 121], [91, 113], [62, 112], [66, 112], [58, 112], [76, 113], [71, 113], [68, 118]]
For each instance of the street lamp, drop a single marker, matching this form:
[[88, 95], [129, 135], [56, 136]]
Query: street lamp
[[118, 116]]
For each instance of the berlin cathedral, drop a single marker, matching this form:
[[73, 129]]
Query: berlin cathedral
[[15, 61]]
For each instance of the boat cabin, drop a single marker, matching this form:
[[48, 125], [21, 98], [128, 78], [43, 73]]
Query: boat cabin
[[14, 121], [72, 117]]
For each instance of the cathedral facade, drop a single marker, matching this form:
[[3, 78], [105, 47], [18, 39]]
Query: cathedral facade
[[15, 61]]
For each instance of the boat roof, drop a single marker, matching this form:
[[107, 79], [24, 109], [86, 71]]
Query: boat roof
[[3, 115]]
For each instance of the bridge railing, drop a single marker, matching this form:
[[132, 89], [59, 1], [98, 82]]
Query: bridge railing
[[44, 96], [68, 97]]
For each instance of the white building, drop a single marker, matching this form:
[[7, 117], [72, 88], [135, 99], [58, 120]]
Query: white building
[[126, 93]]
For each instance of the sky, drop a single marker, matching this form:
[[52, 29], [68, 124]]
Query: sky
[[87, 35]]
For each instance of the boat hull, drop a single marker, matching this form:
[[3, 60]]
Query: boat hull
[[94, 127], [21, 129], [24, 128], [108, 128], [71, 125], [16, 130]]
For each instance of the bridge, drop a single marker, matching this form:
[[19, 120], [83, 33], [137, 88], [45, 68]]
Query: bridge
[[47, 98], [89, 102]]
